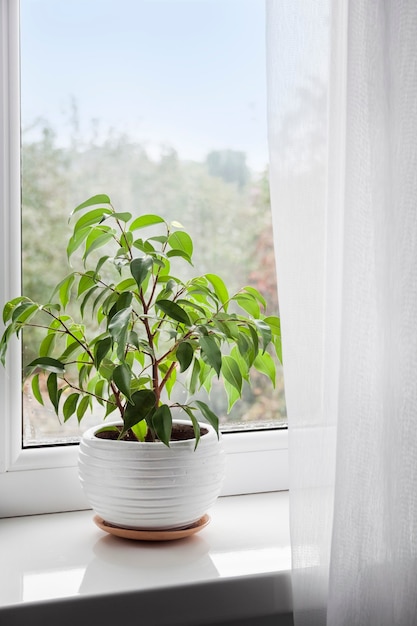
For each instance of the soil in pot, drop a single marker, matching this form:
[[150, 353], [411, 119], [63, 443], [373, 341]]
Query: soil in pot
[[180, 432]]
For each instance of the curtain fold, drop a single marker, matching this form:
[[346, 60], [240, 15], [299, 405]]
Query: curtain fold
[[342, 113]]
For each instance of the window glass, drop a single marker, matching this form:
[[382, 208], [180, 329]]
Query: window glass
[[162, 106]]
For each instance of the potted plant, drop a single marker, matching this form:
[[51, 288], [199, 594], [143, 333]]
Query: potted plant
[[139, 335]]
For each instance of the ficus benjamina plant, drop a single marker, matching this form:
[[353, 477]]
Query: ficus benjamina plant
[[151, 329]]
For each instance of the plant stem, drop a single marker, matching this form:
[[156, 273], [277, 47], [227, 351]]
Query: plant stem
[[84, 391], [166, 377], [116, 394]]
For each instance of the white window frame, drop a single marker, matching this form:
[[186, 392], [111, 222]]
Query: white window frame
[[44, 480]]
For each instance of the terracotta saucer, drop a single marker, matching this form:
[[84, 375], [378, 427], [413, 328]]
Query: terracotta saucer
[[152, 535]]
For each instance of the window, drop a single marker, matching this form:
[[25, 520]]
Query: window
[[183, 132]]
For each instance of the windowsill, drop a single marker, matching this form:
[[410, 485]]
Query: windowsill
[[61, 567]]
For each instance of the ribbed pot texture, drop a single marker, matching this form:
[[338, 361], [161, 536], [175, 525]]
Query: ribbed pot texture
[[145, 485]]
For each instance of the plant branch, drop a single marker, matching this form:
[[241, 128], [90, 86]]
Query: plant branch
[[84, 391], [68, 332], [116, 394], [166, 377]]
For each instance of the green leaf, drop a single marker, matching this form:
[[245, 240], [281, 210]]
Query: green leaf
[[24, 311], [101, 348], [122, 217], [102, 295], [36, 389], [162, 423], [181, 240], [123, 301], [97, 242], [171, 380], [255, 341], [92, 383], [243, 343], [90, 218], [118, 329], [181, 244], [64, 289], [134, 340], [52, 386], [126, 241], [82, 407], [50, 306], [86, 281], [179, 253], [248, 303], [47, 344], [196, 425], [228, 325], [242, 362], [56, 324], [145, 220], [232, 395], [168, 375], [93, 201], [87, 298], [140, 268], [143, 246], [28, 313], [264, 363], [194, 382], [274, 323], [159, 238], [166, 292], [248, 344], [209, 415], [278, 347], [106, 369], [110, 407], [49, 364], [121, 378], [185, 353], [108, 429], [174, 311], [76, 240], [256, 294], [72, 347], [206, 376], [108, 297], [192, 305], [70, 405], [10, 306], [211, 352], [4, 342], [201, 293], [101, 262], [231, 372], [265, 332], [99, 391], [220, 289], [125, 284], [141, 407], [140, 430], [84, 373]]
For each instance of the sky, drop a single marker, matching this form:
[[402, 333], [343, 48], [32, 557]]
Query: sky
[[189, 74]]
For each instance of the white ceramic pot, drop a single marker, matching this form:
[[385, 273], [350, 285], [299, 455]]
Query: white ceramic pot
[[145, 485]]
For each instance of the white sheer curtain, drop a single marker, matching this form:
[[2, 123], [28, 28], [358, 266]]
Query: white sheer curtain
[[342, 82]]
